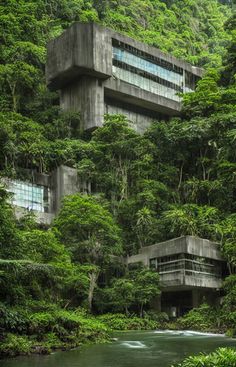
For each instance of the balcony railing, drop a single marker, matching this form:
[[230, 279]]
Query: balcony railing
[[187, 267]]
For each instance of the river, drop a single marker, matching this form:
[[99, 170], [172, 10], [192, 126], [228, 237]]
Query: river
[[130, 349]]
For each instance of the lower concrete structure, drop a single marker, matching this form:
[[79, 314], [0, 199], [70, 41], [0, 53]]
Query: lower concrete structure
[[191, 271], [42, 194]]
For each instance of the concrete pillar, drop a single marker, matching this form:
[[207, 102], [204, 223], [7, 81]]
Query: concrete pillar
[[156, 303], [196, 298], [65, 181], [86, 96]]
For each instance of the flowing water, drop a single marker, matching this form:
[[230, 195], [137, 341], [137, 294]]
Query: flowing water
[[130, 349]]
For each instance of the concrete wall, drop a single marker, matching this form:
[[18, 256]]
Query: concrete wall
[[86, 48], [128, 93], [202, 247], [137, 121], [65, 181], [83, 49]]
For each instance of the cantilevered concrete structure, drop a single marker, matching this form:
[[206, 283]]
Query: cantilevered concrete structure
[[190, 268], [99, 71]]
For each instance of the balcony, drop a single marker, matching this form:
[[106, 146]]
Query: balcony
[[188, 271]]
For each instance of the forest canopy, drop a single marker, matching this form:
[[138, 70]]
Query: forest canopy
[[178, 178]]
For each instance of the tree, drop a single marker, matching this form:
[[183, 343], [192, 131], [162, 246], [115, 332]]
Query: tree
[[87, 228], [122, 294], [145, 226], [226, 231], [10, 246], [191, 219], [135, 289], [146, 286], [229, 72]]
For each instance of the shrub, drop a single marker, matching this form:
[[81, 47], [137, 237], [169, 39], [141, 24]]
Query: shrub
[[51, 341], [13, 320], [42, 322], [13, 345], [203, 318], [160, 317], [123, 322], [222, 357]]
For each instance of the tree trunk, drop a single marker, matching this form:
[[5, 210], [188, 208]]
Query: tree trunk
[[141, 310], [93, 282], [181, 175]]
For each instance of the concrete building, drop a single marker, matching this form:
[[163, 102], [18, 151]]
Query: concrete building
[[99, 71], [191, 271], [42, 194]]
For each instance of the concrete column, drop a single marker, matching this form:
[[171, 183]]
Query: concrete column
[[86, 96], [156, 303], [196, 298], [65, 181]]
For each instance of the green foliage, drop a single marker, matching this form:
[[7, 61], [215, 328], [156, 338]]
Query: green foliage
[[136, 289], [88, 228], [14, 345], [146, 286], [229, 304], [192, 219], [190, 30], [176, 179], [203, 318], [226, 230], [123, 322], [9, 236], [222, 357], [12, 320], [45, 330]]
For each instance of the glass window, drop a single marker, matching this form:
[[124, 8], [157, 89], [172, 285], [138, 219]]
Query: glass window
[[149, 67], [28, 195], [146, 84]]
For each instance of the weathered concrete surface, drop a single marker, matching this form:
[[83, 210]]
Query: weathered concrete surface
[[185, 244], [65, 181], [86, 48], [86, 96], [83, 49]]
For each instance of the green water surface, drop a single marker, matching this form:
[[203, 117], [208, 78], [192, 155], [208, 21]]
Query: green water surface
[[130, 349]]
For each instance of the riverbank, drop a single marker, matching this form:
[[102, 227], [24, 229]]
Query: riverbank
[[45, 328], [42, 328], [136, 348]]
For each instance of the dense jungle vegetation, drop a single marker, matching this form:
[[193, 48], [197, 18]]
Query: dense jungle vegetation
[[178, 178]]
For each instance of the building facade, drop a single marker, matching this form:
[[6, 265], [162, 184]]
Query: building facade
[[42, 194], [191, 270], [99, 71]]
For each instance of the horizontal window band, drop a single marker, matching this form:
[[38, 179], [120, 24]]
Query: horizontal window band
[[144, 74], [156, 60]]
